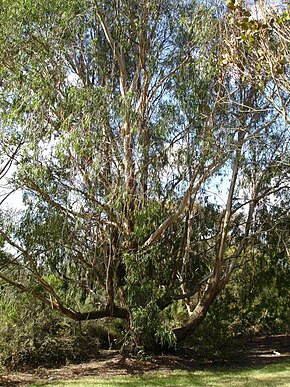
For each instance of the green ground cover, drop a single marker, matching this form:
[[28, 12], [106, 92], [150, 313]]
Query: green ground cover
[[268, 376]]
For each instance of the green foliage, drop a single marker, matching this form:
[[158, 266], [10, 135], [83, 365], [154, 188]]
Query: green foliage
[[25, 327], [119, 118], [33, 335], [254, 303], [149, 327]]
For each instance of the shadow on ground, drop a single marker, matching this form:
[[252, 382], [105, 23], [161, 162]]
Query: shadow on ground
[[259, 352]]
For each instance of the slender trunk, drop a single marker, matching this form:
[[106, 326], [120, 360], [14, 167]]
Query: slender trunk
[[145, 162], [129, 179]]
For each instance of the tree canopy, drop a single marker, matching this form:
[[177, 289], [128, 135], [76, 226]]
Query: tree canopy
[[145, 150]]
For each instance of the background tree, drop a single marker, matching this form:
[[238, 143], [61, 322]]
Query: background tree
[[257, 48], [123, 120]]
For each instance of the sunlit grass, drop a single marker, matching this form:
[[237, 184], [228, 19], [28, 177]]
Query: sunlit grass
[[268, 376]]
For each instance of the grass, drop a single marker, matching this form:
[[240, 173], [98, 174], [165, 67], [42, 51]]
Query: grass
[[275, 375]]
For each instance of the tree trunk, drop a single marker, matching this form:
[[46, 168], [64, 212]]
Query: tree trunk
[[199, 312]]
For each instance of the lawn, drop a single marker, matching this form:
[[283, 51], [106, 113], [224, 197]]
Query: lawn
[[274, 375]]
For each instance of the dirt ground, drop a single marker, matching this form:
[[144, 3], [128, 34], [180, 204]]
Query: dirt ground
[[260, 351]]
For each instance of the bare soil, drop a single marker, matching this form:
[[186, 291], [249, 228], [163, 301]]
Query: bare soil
[[260, 351]]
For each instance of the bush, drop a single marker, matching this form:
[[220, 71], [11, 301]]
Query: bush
[[32, 334]]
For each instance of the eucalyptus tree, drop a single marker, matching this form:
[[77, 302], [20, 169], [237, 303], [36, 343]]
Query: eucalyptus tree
[[119, 120]]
